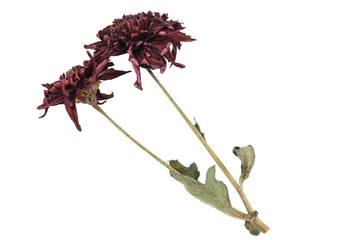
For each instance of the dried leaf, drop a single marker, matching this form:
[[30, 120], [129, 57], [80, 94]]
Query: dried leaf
[[252, 229], [213, 193], [191, 171], [247, 157], [197, 126]]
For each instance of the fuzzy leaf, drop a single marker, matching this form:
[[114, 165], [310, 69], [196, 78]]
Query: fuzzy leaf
[[191, 171], [213, 193], [247, 157]]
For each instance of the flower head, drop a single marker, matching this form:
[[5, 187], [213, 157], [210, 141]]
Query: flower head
[[150, 39], [79, 84]]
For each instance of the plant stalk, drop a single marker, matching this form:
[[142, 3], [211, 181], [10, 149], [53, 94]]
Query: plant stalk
[[100, 110]]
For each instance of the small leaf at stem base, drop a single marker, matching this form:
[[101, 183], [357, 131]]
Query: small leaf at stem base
[[252, 229]]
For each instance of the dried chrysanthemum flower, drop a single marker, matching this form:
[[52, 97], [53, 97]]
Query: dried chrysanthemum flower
[[150, 39], [79, 84]]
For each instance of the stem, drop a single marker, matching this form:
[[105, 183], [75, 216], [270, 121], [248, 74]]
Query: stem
[[258, 223], [262, 227], [202, 140], [99, 109], [243, 215]]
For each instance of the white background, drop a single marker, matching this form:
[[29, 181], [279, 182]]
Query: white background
[[280, 75]]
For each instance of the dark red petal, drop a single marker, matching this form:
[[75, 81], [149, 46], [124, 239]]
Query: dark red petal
[[93, 62], [138, 74], [110, 74], [47, 85], [46, 110], [171, 59], [102, 96], [179, 65], [93, 45], [109, 64], [162, 69], [51, 102], [100, 67], [73, 115]]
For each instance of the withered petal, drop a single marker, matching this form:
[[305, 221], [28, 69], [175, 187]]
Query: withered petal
[[110, 74], [136, 67], [73, 115]]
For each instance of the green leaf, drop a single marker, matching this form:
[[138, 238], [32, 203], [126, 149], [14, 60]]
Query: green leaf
[[197, 126], [247, 157], [213, 193]]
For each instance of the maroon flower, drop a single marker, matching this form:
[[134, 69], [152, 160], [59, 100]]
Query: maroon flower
[[80, 84], [150, 39]]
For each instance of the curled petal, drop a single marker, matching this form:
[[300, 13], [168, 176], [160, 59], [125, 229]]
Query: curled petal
[[171, 59], [52, 102], [100, 68], [73, 115], [102, 96], [136, 67], [111, 74], [46, 110], [94, 45]]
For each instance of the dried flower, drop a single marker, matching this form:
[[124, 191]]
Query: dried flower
[[80, 84], [150, 39]]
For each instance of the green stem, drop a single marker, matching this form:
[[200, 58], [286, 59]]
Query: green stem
[[99, 109]]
